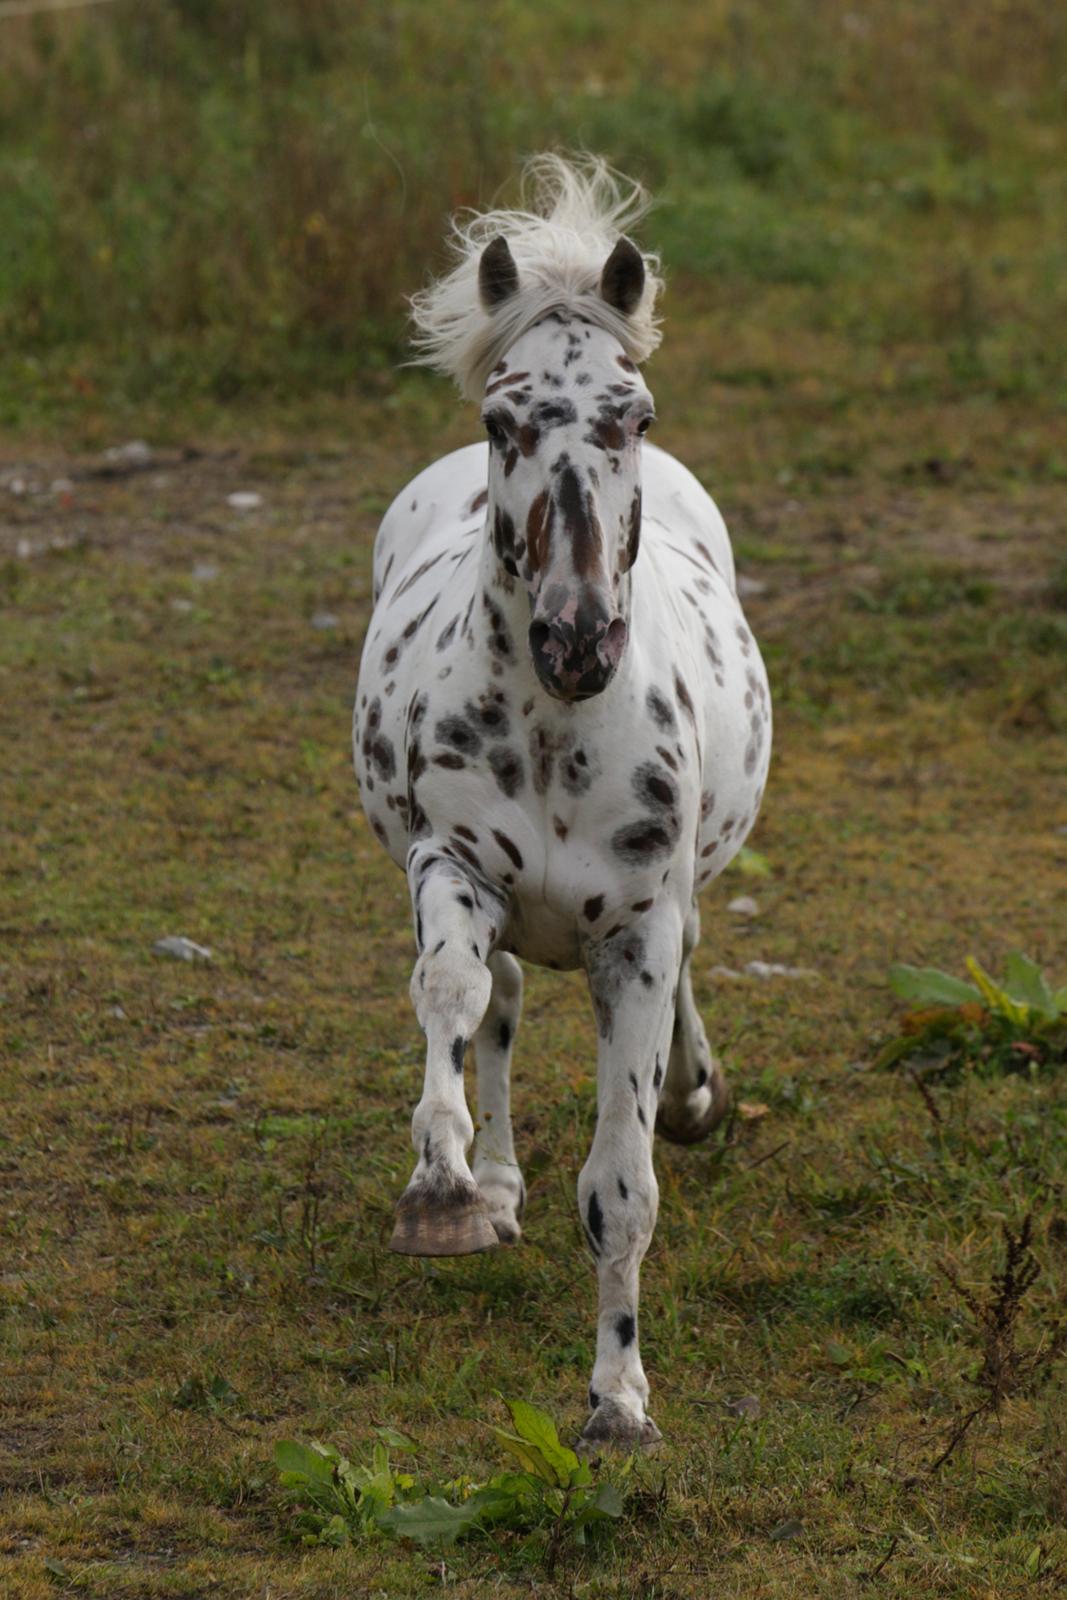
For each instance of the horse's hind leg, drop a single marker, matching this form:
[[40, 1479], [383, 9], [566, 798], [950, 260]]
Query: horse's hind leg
[[496, 1172], [694, 1098], [441, 1212]]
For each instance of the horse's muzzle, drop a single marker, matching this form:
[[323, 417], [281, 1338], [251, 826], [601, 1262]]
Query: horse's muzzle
[[575, 661]]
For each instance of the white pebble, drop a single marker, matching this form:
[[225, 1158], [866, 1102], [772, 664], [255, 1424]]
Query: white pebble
[[743, 906], [136, 453], [244, 500], [181, 949], [775, 969]]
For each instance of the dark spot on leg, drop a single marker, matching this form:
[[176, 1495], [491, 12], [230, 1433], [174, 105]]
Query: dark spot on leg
[[593, 907], [626, 1328], [624, 1192], [459, 1045], [595, 1223]]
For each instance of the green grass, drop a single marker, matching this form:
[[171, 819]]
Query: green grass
[[199, 1163], [207, 207]]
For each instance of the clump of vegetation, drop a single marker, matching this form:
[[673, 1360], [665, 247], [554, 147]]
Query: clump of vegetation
[[1012, 1026], [1005, 1368], [553, 1490]]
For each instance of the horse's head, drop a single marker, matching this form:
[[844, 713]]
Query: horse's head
[[565, 412]]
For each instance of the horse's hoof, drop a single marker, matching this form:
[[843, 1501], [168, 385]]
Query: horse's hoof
[[504, 1213], [427, 1227], [612, 1427], [683, 1125]]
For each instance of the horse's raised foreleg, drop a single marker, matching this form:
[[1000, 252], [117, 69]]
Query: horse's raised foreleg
[[694, 1098], [632, 978], [496, 1172], [441, 1212]]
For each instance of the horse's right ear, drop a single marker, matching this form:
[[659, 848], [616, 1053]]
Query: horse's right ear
[[498, 276]]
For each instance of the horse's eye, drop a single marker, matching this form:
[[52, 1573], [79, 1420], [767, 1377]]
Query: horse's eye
[[494, 430], [644, 425]]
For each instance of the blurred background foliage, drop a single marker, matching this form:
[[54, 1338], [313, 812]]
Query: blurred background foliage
[[232, 200]]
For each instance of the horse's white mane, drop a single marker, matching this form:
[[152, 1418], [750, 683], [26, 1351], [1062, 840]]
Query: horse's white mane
[[575, 211]]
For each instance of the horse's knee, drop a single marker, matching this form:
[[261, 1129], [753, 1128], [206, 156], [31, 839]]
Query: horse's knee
[[451, 985]]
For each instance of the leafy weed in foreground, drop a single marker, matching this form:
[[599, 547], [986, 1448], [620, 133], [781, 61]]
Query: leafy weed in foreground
[[1003, 1027], [342, 1501]]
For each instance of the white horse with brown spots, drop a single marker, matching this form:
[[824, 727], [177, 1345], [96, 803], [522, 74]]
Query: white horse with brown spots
[[562, 732]]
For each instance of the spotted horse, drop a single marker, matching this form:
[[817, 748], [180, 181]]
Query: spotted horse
[[562, 732]]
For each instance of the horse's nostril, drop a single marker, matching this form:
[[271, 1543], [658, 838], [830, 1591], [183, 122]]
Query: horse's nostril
[[540, 633], [613, 643]]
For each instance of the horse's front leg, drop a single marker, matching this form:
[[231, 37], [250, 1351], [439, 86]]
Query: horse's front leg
[[496, 1170], [441, 1212], [632, 978]]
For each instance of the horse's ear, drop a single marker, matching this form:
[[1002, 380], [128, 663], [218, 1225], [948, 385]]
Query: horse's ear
[[622, 282], [498, 276]]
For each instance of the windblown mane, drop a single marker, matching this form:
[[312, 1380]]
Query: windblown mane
[[575, 213]]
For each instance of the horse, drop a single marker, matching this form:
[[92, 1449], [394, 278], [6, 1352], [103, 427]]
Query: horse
[[561, 732]]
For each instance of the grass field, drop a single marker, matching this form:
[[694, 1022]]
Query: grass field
[[864, 363]]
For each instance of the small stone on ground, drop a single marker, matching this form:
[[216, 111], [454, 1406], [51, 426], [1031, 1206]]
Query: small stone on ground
[[181, 948]]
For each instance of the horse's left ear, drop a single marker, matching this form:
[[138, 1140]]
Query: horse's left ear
[[498, 276], [622, 282]]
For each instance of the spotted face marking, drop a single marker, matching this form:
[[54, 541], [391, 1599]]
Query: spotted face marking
[[579, 505]]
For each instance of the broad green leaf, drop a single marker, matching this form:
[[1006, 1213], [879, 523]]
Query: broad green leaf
[[1059, 1000], [539, 1430], [527, 1455], [598, 1506], [430, 1521], [1024, 980], [931, 985], [306, 1463], [394, 1440], [896, 1049], [336, 1532], [503, 1497], [996, 998]]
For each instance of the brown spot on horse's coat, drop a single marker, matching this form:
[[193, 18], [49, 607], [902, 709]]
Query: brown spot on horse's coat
[[539, 521], [509, 378], [580, 522], [683, 697], [510, 849]]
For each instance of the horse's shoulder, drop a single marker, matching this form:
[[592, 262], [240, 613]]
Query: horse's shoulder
[[434, 505], [676, 503]]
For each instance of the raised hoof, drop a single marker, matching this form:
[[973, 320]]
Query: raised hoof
[[427, 1227], [612, 1427], [673, 1122]]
